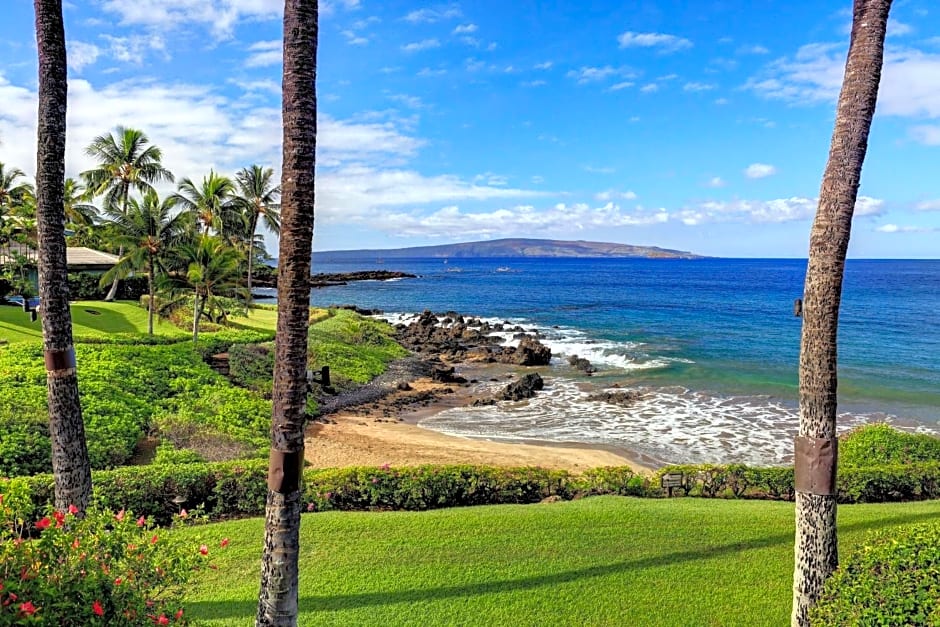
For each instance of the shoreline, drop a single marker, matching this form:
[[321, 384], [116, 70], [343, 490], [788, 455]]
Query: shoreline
[[385, 429]]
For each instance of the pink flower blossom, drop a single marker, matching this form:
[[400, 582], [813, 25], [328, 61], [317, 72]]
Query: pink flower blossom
[[97, 609], [141, 521], [119, 516], [73, 510], [44, 523], [204, 549], [28, 608], [183, 513], [224, 543]]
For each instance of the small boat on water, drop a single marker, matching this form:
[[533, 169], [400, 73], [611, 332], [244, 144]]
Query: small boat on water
[[504, 269]]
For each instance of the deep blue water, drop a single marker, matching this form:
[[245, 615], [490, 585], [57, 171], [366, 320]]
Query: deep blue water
[[722, 328]]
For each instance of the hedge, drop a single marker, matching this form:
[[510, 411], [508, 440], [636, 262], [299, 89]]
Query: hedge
[[892, 579]]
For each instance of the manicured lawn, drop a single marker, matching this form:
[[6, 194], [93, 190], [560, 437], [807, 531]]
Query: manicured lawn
[[89, 319], [598, 561]]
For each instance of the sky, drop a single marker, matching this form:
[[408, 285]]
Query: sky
[[701, 126]]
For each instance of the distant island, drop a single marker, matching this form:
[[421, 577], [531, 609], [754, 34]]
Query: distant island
[[510, 247]]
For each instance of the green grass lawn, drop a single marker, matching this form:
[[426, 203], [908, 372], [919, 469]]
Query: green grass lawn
[[598, 561], [89, 319]]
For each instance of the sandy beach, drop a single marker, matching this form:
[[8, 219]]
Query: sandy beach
[[385, 433]]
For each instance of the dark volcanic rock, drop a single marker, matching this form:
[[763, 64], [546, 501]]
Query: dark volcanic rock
[[625, 398], [446, 375], [342, 278], [530, 352], [526, 387], [582, 364]]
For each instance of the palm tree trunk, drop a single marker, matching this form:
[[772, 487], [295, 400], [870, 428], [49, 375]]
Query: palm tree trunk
[[251, 257], [150, 293], [70, 464], [197, 314], [277, 601], [125, 193], [816, 548]]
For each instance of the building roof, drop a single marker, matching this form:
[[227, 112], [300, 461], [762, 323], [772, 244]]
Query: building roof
[[87, 257]]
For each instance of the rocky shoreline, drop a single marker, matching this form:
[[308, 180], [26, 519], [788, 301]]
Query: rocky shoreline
[[324, 279]]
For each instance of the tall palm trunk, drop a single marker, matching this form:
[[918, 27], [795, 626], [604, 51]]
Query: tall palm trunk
[[197, 314], [251, 256], [151, 279], [70, 465], [816, 549], [125, 194], [277, 602]]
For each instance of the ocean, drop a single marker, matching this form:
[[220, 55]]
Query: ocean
[[712, 344]]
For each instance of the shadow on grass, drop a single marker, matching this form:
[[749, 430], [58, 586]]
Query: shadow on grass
[[236, 609], [105, 320]]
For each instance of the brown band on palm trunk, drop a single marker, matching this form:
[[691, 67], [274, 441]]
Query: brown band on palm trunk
[[814, 465], [284, 470], [60, 363]]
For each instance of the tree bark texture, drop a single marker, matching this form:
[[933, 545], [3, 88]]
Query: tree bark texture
[[151, 280], [277, 602], [70, 464], [816, 549]]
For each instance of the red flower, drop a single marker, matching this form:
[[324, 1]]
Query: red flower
[[119, 516], [75, 543], [44, 523], [28, 608], [183, 513], [141, 521], [73, 510], [118, 581], [59, 519], [153, 540], [224, 543], [179, 614], [204, 549], [163, 620], [97, 609]]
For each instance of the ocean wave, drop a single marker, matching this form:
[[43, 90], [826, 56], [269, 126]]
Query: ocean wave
[[671, 425]]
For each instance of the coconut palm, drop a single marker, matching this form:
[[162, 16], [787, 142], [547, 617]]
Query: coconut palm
[[816, 550], [147, 232], [78, 212], [277, 601], [211, 203], [71, 468], [126, 161], [209, 268], [258, 200], [12, 190]]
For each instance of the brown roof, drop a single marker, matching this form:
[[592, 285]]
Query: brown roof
[[81, 256]]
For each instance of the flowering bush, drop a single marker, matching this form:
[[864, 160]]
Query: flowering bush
[[101, 569]]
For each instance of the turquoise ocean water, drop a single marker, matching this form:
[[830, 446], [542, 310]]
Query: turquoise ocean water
[[712, 343]]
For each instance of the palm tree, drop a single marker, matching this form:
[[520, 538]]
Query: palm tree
[[77, 211], [816, 549], [147, 233], [210, 269], [211, 204], [125, 162], [70, 465], [12, 190], [258, 199], [277, 601]]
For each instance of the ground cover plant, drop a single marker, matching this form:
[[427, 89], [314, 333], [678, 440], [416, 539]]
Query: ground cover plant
[[599, 561], [90, 319]]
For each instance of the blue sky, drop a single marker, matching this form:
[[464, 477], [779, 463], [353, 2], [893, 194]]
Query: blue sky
[[701, 126]]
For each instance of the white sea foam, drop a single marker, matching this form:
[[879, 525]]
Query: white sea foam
[[672, 425]]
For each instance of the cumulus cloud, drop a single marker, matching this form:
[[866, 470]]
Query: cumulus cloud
[[588, 74], [661, 41], [716, 181], [814, 74], [264, 53], [220, 16], [611, 194], [774, 211], [759, 170], [434, 14], [694, 86], [895, 228], [928, 205], [81, 54], [465, 29]]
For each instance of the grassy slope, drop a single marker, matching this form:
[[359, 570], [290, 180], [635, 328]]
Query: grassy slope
[[599, 561], [115, 317]]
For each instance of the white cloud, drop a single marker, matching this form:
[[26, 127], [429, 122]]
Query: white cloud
[[587, 74], [722, 101], [535, 83], [354, 39], [220, 16], [599, 170], [759, 170], [897, 28], [925, 134], [547, 65], [894, 228], [716, 181], [621, 85], [425, 44], [133, 48], [695, 86], [434, 14], [426, 71], [756, 49], [649, 88], [663, 42], [264, 53], [928, 205], [81, 54], [451, 221], [610, 194], [766, 211], [814, 74], [465, 28]]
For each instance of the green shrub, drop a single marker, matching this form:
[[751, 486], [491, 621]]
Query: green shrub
[[102, 569], [168, 454], [252, 366], [356, 349], [612, 480], [878, 444], [85, 286], [892, 579]]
